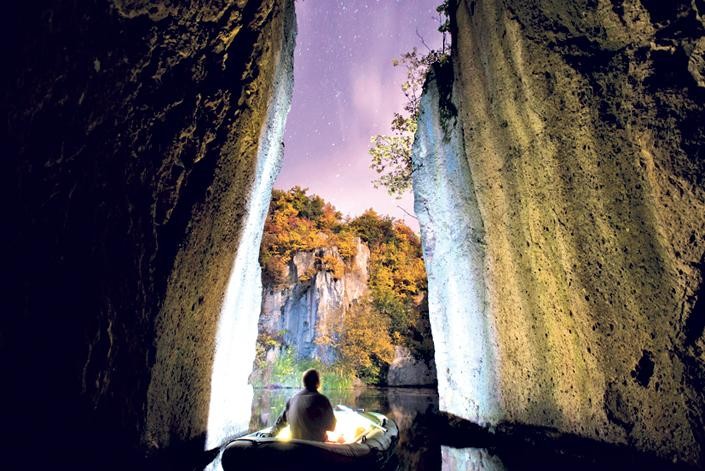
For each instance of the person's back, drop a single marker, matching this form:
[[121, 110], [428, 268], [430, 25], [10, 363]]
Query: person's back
[[308, 412]]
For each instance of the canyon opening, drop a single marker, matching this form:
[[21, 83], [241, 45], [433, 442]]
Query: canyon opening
[[166, 251], [344, 292]]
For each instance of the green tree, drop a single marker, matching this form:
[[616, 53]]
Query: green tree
[[308, 207], [373, 228], [391, 153]]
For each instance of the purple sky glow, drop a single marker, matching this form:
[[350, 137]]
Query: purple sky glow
[[345, 91]]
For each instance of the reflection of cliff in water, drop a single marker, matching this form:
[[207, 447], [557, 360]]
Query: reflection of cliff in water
[[477, 459], [412, 409]]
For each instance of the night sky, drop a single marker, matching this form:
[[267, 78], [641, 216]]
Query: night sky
[[345, 91]]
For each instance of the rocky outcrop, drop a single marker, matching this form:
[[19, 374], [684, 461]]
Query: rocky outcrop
[[308, 312], [306, 316], [406, 370], [140, 143], [469, 458], [561, 151]]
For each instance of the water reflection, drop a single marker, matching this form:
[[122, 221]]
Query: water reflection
[[476, 459], [413, 410], [431, 441]]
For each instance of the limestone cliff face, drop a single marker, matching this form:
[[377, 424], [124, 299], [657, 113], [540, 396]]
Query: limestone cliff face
[[562, 152], [310, 308], [306, 315], [134, 140]]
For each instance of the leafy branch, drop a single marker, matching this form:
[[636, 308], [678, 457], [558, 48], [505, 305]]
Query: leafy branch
[[391, 153]]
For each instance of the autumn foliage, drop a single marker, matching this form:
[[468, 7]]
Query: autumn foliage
[[393, 313]]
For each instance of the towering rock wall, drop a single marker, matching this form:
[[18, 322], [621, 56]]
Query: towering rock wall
[[453, 239], [133, 143], [578, 191], [235, 341]]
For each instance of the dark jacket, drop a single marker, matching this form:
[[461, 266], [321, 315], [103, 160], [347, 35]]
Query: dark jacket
[[309, 414]]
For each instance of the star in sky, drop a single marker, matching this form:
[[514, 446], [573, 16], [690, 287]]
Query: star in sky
[[345, 91]]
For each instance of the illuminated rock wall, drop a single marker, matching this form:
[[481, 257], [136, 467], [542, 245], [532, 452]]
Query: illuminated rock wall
[[581, 224], [230, 393], [141, 142], [452, 235]]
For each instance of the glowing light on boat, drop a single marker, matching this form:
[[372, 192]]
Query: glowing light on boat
[[284, 434], [350, 427]]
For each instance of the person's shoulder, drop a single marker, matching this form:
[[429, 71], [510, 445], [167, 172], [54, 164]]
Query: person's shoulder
[[304, 393], [322, 398]]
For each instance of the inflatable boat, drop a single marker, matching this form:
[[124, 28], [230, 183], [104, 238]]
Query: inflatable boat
[[361, 440]]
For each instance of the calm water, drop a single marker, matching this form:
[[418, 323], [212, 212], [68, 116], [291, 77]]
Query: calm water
[[426, 444], [413, 410]]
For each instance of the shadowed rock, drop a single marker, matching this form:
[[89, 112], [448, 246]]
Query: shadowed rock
[[131, 143]]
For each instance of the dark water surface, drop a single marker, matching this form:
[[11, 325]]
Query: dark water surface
[[414, 410], [429, 440]]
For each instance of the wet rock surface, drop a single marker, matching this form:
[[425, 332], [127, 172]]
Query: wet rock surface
[[583, 134], [131, 142]]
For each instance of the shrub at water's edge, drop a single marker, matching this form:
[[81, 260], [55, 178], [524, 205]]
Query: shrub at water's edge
[[287, 371]]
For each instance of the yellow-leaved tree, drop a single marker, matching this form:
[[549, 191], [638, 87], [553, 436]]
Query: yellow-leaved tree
[[394, 312], [365, 345]]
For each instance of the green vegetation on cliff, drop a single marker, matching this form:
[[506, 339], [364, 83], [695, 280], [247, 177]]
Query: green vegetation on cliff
[[391, 153], [393, 313]]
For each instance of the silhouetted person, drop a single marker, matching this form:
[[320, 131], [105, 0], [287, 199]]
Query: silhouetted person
[[308, 412]]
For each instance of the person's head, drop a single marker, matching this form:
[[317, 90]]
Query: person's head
[[311, 380]]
